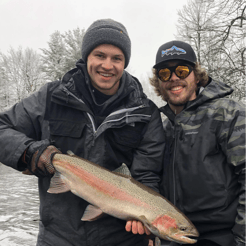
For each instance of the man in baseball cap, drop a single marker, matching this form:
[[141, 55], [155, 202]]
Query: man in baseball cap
[[176, 61], [205, 132]]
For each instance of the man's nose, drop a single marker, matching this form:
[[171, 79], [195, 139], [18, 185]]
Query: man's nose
[[173, 77], [107, 64]]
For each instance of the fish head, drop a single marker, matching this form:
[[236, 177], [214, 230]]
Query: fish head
[[178, 229]]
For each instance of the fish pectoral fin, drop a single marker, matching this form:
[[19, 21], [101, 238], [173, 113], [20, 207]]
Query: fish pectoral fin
[[57, 185], [153, 229], [92, 213]]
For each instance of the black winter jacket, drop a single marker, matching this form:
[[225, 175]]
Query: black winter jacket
[[65, 111], [205, 177]]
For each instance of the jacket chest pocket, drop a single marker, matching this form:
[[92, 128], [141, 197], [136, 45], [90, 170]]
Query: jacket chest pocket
[[68, 135], [67, 128], [127, 136]]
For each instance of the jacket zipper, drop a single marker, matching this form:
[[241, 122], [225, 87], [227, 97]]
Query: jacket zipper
[[114, 113], [81, 101], [174, 155]]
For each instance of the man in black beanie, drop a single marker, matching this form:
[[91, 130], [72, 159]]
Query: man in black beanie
[[100, 113]]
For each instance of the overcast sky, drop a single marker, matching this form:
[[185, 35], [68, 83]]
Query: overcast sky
[[150, 23]]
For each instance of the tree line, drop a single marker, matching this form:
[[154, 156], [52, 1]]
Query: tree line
[[216, 29], [23, 72]]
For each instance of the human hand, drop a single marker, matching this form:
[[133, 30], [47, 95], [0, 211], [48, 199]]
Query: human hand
[[136, 227], [39, 157]]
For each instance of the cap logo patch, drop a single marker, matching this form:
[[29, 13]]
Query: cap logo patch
[[172, 51]]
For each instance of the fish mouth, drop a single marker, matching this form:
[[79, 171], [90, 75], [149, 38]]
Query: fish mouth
[[188, 238], [184, 237]]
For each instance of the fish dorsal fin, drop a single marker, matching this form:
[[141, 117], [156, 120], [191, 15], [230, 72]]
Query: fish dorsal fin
[[123, 169], [57, 185], [92, 213], [152, 228], [70, 152]]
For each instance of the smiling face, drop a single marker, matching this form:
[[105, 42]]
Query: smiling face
[[177, 92], [105, 65]]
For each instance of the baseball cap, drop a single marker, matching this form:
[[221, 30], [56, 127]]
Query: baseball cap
[[175, 50]]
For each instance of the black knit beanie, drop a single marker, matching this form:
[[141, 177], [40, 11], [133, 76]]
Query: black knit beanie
[[106, 31]]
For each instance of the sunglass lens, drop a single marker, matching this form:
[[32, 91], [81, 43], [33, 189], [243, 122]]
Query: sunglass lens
[[182, 71], [164, 74]]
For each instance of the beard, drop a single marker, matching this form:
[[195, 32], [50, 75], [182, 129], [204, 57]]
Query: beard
[[180, 99]]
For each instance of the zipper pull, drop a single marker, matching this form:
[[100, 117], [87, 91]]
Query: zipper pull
[[67, 94]]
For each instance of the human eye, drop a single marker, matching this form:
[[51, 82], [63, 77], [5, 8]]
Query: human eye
[[99, 55], [118, 58]]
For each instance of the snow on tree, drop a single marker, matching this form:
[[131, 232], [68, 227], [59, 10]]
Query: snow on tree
[[217, 32]]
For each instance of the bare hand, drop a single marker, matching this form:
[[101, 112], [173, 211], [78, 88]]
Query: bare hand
[[151, 243], [136, 227]]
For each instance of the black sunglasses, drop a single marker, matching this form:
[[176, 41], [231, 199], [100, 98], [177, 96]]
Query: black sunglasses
[[181, 71]]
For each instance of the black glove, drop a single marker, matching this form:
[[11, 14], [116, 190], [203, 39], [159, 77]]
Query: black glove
[[38, 158]]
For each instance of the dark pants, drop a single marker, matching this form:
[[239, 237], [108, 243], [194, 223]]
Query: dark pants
[[199, 243]]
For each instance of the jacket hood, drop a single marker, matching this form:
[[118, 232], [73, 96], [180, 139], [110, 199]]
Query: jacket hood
[[215, 89]]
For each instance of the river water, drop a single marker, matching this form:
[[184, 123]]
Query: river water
[[19, 208]]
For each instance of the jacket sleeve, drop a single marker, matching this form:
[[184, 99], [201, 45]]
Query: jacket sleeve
[[19, 126], [239, 228], [147, 162], [234, 147]]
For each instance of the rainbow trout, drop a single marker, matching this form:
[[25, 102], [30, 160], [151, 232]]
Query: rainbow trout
[[121, 196]]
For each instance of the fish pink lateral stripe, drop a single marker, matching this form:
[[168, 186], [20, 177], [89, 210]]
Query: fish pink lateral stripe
[[102, 185]]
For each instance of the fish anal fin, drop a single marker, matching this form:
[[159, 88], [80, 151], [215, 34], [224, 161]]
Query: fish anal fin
[[57, 184], [92, 213]]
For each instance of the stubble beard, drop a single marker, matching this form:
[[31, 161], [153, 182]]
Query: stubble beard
[[179, 101]]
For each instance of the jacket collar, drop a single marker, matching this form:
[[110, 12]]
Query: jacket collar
[[77, 81], [214, 90]]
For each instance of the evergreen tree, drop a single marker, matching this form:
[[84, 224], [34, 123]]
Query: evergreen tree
[[53, 58], [73, 41], [63, 52]]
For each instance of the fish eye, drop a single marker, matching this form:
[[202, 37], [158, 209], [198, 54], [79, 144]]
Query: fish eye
[[182, 228]]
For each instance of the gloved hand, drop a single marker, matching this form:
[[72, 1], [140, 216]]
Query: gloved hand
[[38, 158]]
